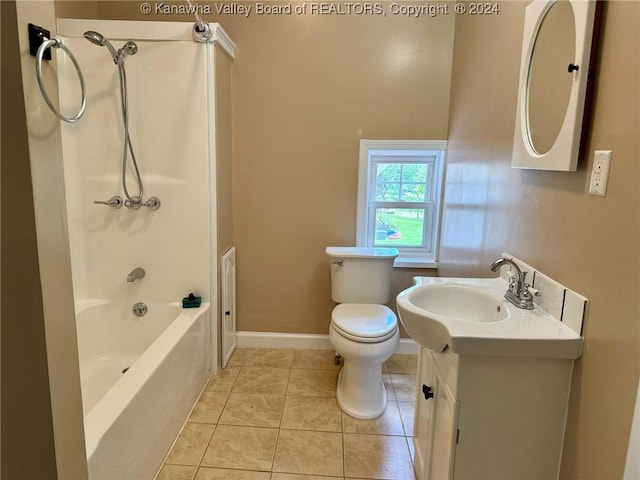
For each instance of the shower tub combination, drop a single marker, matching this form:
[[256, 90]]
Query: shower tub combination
[[140, 377]]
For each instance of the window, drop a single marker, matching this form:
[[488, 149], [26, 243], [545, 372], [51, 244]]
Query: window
[[399, 193]]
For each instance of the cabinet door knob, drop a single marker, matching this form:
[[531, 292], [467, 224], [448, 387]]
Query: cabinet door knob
[[428, 392]]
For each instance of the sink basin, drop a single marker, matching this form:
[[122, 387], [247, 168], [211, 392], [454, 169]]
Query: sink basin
[[471, 316], [460, 302]]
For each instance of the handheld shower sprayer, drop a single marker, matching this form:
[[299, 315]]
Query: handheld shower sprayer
[[95, 37], [98, 39], [129, 48]]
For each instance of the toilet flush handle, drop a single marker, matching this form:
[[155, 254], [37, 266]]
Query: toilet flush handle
[[339, 262]]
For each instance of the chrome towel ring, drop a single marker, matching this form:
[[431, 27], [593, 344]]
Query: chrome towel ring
[[56, 42]]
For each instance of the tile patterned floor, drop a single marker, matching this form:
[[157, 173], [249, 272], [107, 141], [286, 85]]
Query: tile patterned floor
[[272, 415]]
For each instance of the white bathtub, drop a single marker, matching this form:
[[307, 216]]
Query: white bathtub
[[132, 418]]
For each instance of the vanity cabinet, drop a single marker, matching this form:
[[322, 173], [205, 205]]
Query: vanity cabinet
[[487, 417], [435, 429]]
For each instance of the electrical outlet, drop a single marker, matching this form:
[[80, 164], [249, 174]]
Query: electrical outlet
[[600, 172]]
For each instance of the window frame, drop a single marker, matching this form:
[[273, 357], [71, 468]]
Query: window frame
[[410, 257]]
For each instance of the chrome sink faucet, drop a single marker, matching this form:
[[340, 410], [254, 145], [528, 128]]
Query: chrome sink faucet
[[136, 274], [518, 292]]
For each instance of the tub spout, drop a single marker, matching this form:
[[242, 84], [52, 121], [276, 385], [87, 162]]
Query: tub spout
[[136, 274]]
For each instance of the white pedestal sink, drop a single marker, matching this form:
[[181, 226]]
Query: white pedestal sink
[[471, 316], [494, 381]]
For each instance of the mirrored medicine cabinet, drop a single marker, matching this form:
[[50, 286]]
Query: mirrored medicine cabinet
[[558, 56]]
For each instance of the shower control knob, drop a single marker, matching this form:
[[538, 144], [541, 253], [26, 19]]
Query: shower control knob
[[153, 203], [113, 202], [427, 391]]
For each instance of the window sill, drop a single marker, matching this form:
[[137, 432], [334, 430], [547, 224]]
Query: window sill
[[414, 262]]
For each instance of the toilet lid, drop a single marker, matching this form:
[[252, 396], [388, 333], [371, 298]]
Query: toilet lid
[[363, 322]]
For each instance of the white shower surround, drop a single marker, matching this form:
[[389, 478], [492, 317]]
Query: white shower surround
[[171, 105]]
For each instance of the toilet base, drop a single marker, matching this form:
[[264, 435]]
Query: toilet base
[[360, 392]]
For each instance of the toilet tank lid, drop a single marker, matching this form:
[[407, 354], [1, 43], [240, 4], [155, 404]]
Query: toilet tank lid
[[362, 252]]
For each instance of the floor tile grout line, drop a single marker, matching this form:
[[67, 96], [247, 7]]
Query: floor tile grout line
[[344, 453], [207, 447], [216, 424], [235, 469], [223, 407], [284, 403], [275, 452], [286, 391]]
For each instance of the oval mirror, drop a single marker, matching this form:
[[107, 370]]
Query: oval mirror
[[559, 43], [550, 81]]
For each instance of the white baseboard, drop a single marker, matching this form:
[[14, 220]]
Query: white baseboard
[[407, 346]]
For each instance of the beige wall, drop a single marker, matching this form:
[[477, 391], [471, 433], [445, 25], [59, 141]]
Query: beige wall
[[588, 243], [42, 431], [76, 9], [305, 91], [25, 382]]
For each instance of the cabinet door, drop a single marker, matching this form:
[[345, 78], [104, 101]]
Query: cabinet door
[[422, 418], [444, 433]]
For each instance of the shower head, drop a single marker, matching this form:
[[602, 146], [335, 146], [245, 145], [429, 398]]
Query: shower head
[[95, 37], [100, 40]]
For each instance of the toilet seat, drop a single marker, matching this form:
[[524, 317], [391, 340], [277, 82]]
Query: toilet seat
[[364, 323]]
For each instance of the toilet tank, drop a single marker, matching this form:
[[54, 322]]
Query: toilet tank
[[361, 274]]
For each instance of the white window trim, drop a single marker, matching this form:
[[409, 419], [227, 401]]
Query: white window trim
[[406, 259]]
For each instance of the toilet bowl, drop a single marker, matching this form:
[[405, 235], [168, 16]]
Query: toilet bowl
[[365, 336], [362, 330]]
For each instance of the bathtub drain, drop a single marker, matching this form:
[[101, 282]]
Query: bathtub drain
[[139, 309]]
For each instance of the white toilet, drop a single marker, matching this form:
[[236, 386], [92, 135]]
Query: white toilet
[[363, 331]]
